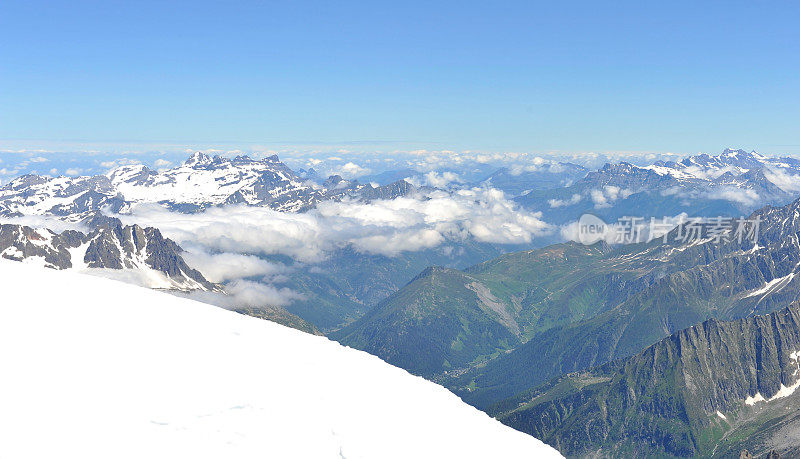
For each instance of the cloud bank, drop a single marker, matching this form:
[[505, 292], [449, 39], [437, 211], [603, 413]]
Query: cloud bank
[[381, 227]]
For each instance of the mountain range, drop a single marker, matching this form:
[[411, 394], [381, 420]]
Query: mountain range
[[482, 331], [552, 340], [124, 252], [199, 183], [733, 183], [109, 245], [710, 390]]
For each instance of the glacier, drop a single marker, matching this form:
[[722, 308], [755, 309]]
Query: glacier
[[98, 368]]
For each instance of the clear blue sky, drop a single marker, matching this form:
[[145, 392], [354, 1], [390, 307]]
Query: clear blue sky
[[577, 76]]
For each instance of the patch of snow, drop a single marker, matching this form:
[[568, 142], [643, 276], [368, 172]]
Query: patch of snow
[[785, 391], [750, 401], [778, 283], [13, 252], [105, 369], [77, 255], [35, 261], [663, 170]]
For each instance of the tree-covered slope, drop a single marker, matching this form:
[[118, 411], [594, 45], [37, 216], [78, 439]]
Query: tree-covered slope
[[447, 321]]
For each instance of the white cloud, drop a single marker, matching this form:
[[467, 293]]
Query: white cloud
[[576, 198], [440, 180], [162, 163], [744, 196], [537, 164], [117, 163], [246, 294], [222, 267], [255, 294], [747, 197], [786, 181], [73, 171], [385, 227], [55, 224], [711, 173], [608, 195], [239, 228], [352, 170]]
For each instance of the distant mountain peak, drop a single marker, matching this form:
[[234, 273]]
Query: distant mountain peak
[[732, 153], [197, 159], [199, 183]]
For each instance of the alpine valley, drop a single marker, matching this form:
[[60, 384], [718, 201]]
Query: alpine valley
[[671, 346]]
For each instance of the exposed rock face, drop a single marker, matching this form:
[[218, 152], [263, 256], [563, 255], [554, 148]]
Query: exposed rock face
[[626, 175], [670, 397], [20, 242], [390, 191], [109, 245], [281, 316], [643, 293]]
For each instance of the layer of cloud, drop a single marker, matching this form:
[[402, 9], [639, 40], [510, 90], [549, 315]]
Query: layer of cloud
[[574, 199], [53, 223], [222, 267], [608, 195], [784, 180], [246, 294], [384, 227], [743, 196]]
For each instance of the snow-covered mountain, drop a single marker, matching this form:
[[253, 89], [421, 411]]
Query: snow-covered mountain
[[203, 181], [140, 255], [104, 369], [730, 161], [734, 183], [732, 167], [42, 195], [200, 182]]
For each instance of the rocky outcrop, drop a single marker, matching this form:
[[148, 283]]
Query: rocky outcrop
[[110, 245], [667, 398], [19, 242]]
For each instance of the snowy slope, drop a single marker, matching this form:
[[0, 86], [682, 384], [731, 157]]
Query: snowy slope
[[97, 368], [200, 182], [731, 163], [203, 180]]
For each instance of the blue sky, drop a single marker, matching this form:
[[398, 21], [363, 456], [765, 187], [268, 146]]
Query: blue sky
[[495, 76]]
